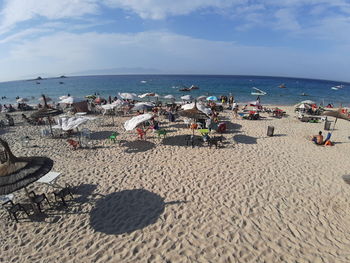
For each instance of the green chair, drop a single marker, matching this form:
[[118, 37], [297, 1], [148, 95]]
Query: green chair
[[204, 132], [113, 137], [161, 132]]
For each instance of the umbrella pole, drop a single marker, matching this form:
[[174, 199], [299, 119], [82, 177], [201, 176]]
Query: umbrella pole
[[79, 137], [50, 126]]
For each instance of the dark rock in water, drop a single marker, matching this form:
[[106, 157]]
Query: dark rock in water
[[63, 77], [38, 78]]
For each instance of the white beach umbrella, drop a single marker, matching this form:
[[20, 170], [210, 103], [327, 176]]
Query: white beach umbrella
[[201, 98], [21, 100], [304, 106], [67, 124], [137, 120], [187, 97], [143, 106], [169, 97], [63, 97], [70, 100], [307, 102], [109, 106], [146, 95], [128, 96]]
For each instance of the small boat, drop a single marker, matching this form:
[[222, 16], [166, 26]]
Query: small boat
[[193, 87], [282, 86], [143, 81], [303, 94], [185, 89], [337, 87], [258, 93]]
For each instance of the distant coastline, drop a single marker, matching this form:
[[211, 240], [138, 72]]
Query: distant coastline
[[297, 89]]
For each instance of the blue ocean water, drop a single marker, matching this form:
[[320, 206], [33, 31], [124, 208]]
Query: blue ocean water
[[239, 86]]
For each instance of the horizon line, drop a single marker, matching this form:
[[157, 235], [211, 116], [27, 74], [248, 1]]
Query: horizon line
[[177, 74]]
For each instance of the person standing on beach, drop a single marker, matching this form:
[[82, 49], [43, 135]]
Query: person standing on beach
[[235, 110], [230, 101]]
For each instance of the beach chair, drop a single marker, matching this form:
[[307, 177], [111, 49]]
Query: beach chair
[[13, 209], [113, 137], [73, 143], [38, 199], [141, 133], [161, 132], [204, 132], [62, 194]]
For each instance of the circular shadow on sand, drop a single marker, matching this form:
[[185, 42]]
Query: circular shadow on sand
[[126, 211], [137, 146], [101, 135], [183, 140], [240, 138]]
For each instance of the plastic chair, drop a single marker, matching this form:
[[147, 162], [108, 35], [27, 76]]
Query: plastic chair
[[13, 209], [38, 199], [161, 132], [61, 194], [141, 133], [204, 132], [113, 137], [73, 143]]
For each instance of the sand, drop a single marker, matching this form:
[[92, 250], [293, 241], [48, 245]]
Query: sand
[[256, 199]]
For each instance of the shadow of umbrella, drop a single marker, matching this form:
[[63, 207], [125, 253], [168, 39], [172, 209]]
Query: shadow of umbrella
[[138, 146], [126, 211], [181, 140], [101, 135], [240, 138]]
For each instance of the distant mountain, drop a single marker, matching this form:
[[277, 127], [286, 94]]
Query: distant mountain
[[113, 71]]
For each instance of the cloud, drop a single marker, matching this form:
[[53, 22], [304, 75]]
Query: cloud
[[160, 9], [16, 11], [63, 53]]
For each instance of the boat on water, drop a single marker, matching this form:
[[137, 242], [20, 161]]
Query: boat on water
[[194, 87], [303, 94], [143, 81], [258, 92], [185, 89], [282, 86], [337, 87]]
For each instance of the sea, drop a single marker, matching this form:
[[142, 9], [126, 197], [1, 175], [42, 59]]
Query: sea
[[296, 89]]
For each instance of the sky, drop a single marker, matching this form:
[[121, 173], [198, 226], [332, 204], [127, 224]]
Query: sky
[[293, 38]]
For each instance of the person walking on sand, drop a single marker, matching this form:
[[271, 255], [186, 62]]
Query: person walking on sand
[[235, 110]]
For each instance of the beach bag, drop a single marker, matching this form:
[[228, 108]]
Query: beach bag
[[329, 143]]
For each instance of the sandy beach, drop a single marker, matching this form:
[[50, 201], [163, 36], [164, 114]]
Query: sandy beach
[[254, 199]]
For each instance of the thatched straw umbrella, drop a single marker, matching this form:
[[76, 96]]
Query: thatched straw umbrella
[[337, 114], [18, 172], [194, 113], [46, 112]]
